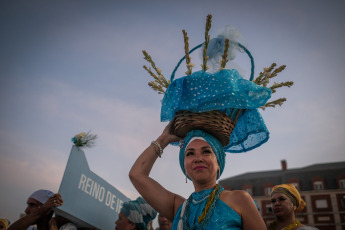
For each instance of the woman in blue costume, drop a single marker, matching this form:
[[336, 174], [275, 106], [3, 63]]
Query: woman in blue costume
[[202, 160], [202, 156]]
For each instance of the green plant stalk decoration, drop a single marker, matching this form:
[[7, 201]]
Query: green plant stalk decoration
[[204, 66], [186, 50], [264, 79], [160, 83], [278, 85], [273, 104], [225, 55]]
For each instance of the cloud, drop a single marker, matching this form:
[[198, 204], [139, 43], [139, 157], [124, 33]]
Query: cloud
[[119, 122]]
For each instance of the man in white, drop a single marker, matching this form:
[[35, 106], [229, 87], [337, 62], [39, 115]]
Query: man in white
[[39, 211]]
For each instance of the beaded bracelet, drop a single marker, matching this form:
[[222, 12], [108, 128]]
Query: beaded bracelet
[[155, 143]]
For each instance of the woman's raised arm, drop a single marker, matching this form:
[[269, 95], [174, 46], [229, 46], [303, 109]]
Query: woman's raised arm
[[162, 200]]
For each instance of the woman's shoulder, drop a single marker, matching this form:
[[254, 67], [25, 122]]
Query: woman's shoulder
[[235, 195], [236, 199]]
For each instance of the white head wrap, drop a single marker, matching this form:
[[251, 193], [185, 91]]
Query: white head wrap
[[195, 138], [41, 195]]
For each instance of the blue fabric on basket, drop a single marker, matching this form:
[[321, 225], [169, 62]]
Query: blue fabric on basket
[[250, 132], [223, 90]]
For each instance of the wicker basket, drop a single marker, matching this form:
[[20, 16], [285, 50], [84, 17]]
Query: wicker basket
[[215, 123]]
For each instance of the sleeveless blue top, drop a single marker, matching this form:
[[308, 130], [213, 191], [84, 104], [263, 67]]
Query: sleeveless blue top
[[223, 216]]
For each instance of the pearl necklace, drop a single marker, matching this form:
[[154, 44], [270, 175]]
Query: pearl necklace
[[206, 214], [199, 201]]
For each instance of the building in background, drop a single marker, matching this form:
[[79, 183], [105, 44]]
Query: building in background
[[322, 186]]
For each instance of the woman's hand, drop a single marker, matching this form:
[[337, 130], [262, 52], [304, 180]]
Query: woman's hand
[[167, 136]]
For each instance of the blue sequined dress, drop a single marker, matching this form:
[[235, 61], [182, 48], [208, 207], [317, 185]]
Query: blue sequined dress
[[223, 216]]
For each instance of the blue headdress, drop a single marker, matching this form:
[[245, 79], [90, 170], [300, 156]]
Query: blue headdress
[[139, 212], [215, 144], [224, 90]]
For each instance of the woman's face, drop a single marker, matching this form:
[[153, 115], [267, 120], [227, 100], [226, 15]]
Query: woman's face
[[281, 205], [123, 223], [200, 162]]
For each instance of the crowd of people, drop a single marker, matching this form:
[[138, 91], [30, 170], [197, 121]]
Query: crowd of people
[[223, 213], [202, 160], [201, 154]]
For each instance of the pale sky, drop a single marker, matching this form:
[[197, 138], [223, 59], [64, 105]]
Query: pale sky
[[73, 66]]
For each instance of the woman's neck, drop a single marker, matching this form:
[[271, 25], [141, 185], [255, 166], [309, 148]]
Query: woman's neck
[[284, 221], [203, 186]]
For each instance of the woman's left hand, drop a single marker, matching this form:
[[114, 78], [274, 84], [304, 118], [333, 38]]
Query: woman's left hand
[[167, 136]]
